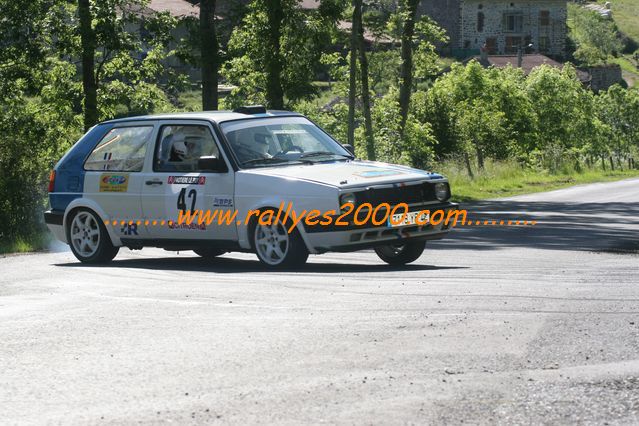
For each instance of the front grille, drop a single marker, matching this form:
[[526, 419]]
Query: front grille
[[400, 193]]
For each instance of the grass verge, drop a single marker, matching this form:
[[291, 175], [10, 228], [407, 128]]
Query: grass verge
[[24, 245], [504, 179]]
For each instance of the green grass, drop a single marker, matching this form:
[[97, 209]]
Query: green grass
[[626, 15], [503, 179], [21, 245]]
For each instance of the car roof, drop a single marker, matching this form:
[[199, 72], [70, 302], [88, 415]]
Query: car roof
[[215, 116]]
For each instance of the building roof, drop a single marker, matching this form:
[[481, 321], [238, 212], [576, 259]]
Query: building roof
[[309, 4], [346, 26], [529, 62], [177, 8]]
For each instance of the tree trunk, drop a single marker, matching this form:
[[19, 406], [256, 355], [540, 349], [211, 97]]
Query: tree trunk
[[352, 83], [468, 168], [480, 158], [366, 96], [603, 163], [352, 87], [88, 43], [274, 89], [406, 70], [612, 164], [208, 55]]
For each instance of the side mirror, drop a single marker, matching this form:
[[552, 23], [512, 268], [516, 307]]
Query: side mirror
[[212, 164], [349, 148]]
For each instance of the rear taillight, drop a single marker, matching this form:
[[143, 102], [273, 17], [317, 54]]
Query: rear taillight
[[52, 181]]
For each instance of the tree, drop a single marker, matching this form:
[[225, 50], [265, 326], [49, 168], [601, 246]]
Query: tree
[[366, 96], [274, 89], [209, 55], [596, 38], [409, 10], [88, 42], [275, 53], [352, 87], [42, 92]]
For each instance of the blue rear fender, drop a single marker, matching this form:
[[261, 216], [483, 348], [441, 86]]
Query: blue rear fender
[[69, 172]]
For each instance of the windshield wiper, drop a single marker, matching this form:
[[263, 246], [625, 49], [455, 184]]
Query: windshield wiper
[[273, 160], [264, 160], [321, 153]]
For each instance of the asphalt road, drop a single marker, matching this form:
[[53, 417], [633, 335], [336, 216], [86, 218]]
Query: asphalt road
[[523, 325]]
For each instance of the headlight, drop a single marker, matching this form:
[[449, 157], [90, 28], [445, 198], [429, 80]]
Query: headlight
[[347, 198], [442, 191]]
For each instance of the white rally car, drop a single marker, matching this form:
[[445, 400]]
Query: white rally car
[[129, 182]]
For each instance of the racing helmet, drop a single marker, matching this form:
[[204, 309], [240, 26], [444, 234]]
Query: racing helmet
[[179, 150]]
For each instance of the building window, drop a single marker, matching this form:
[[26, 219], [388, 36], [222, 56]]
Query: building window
[[544, 44], [544, 18], [480, 22], [512, 44], [513, 23]]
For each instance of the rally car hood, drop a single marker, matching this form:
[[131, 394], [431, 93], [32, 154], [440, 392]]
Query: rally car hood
[[345, 174]]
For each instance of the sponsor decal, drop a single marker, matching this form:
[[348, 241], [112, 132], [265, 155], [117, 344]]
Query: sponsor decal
[[129, 229], [107, 158], [114, 183], [188, 226], [186, 180], [377, 173], [222, 202]]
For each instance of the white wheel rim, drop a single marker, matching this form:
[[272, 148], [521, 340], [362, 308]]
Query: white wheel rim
[[85, 234], [271, 243]]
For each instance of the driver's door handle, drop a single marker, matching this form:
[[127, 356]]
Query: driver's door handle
[[153, 182]]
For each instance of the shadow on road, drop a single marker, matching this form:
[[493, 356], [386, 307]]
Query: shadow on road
[[612, 227], [230, 265], [605, 227]]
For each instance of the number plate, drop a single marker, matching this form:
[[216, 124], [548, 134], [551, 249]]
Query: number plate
[[410, 219]]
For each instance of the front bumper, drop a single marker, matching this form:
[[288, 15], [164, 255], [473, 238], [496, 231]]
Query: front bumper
[[353, 237]]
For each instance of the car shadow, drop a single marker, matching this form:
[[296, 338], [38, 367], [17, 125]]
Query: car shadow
[[232, 265], [608, 227]]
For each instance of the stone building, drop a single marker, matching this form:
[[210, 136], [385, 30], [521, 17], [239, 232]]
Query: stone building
[[502, 26]]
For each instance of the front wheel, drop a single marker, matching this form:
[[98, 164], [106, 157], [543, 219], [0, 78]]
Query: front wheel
[[277, 248], [401, 254], [209, 253], [88, 238]]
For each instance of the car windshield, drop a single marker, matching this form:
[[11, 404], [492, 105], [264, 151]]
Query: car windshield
[[269, 142]]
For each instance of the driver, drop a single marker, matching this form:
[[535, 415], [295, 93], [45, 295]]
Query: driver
[[179, 150], [261, 145]]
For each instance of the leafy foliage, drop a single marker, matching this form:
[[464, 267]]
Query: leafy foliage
[[595, 37], [300, 40]]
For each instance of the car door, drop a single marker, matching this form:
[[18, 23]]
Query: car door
[[114, 176], [176, 184]]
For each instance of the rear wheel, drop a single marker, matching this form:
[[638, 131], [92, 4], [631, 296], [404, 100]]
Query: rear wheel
[[209, 253], [88, 238], [401, 254], [277, 248]]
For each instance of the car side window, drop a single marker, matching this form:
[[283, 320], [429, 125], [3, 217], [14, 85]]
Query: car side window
[[180, 147], [122, 149]]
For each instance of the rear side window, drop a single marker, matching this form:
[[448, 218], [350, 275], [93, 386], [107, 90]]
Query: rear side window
[[122, 149]]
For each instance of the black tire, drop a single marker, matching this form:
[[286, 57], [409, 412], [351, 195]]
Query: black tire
[[89, 232], [401, 254], [209, 253], [294, 251]]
